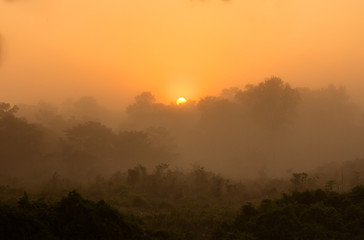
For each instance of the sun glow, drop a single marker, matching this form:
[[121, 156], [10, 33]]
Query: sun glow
[[181, 100]]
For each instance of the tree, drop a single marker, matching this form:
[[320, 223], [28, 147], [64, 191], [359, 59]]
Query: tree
[[88, 149], [271, 103], [299, 181], [91, 137], [21, 143], [73, 217], [6, 110]]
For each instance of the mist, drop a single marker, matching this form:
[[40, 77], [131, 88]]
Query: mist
[[270, 129], [74, 70], [94, 144]]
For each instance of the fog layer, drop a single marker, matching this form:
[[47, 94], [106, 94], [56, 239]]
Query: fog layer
[[265, 130]]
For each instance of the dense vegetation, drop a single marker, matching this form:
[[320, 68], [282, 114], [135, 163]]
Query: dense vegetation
[[71, 218], [314, 214], [311, 214], [174, 204], [171, 203]]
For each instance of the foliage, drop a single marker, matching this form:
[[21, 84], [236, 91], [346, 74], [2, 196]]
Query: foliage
[[20, 143], [73, 217], [314, 214], [172, 204]]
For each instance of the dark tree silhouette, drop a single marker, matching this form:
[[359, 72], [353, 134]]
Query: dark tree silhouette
[[21, 143]]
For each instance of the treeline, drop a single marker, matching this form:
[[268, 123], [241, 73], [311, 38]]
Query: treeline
[[311, 214], [267, 129], [176, 204], [31, 152]]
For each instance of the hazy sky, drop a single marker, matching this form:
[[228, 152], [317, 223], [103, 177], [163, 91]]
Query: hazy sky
[[115, 49]]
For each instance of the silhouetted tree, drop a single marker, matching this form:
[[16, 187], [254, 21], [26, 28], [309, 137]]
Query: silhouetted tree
[[21, 143], [271, 103]]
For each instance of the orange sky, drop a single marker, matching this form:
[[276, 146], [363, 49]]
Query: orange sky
[[115, 49]]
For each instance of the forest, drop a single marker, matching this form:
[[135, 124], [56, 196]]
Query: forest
[[269, 161], [308, 214], [181, 120]]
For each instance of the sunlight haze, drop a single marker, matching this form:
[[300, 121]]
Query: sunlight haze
[[182, 119], [113, 50]]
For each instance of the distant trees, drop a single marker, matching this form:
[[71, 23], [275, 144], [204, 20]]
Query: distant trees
[[146, 113], [6, 110], [21, 143], [88, 109], [248, 123], [92, 148], [217, 111], [83, 150], [145, 107], [269, 125], [47, 115], [174, 184], [302, 181], [91, 137], [271, 103], [341, 176], [136, 175]]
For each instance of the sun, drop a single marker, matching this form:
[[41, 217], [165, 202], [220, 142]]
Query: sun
[[181, 100]]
